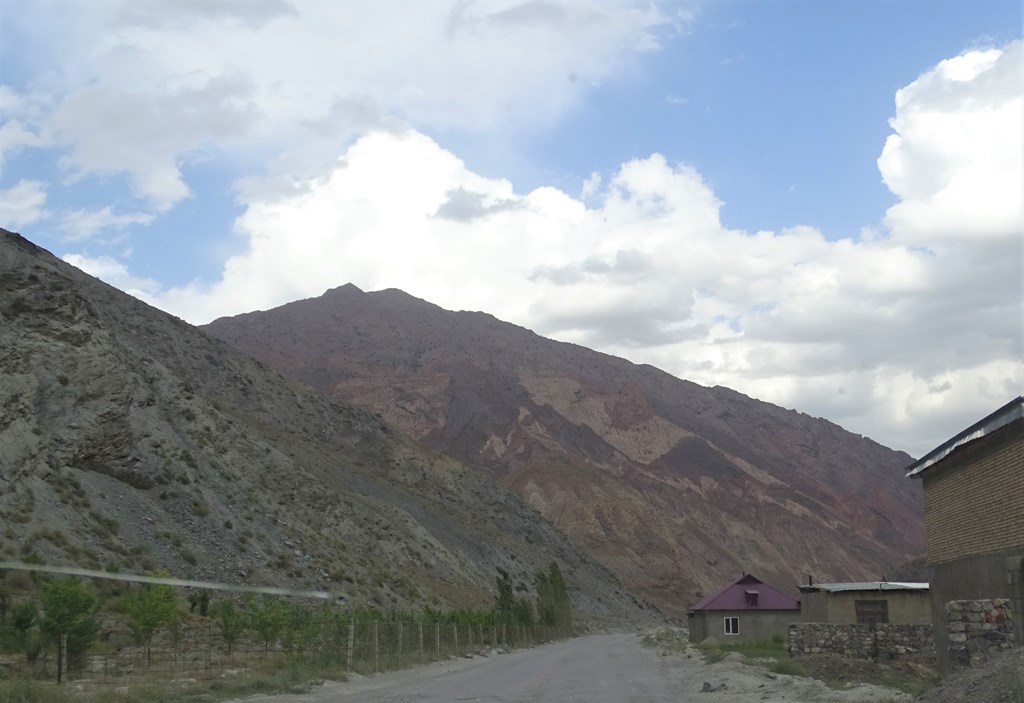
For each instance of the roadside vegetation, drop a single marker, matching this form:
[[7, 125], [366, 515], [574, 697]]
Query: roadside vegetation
[[836, 672], [136, 642]]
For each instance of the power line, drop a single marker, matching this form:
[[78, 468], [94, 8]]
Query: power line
[[166, 580]]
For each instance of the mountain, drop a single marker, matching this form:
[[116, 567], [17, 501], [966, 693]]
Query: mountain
[[675, 487], [131, 441]]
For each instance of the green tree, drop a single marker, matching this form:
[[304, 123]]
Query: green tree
[[554, 607], [231, 621], [155, 605], [268, 618], [20, 633], [504, 602], [69, 608], [522, 612]]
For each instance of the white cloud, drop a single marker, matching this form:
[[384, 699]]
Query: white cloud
[[113, 131], [874, 334], [116, 274], [22, 204], [148, 87], [896, 335], [955, 159], [19, 128], [84, 224]]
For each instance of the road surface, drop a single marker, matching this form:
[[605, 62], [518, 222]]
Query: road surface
[[597, 669]]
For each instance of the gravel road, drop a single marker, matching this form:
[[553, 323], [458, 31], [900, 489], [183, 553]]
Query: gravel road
[[596, 669]]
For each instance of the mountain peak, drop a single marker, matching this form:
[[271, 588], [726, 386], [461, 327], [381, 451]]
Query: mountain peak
[[349, 289], [673, 486]]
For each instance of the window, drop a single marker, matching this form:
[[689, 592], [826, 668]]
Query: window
[[751, 598], [871, 612], [732, 626]]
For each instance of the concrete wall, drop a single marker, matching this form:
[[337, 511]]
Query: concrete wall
[[905, 607], [882, 642], [754, 624]]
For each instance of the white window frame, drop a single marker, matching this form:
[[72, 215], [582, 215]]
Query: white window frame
[[735, 621]]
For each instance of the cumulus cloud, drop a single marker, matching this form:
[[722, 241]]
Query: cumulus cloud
[[112, 131], [19, 123], [895, 334], [23, 204], [85, 224], [465, 206], [148, 87], [955, 157], [873, 333], [116, 274]]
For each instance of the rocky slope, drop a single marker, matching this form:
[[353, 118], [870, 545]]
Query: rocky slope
[[130, 440], [674, 486]]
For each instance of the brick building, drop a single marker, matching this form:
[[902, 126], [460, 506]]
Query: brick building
[[974, 515]]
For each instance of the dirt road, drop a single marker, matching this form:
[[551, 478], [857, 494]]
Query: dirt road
[[597, 669]]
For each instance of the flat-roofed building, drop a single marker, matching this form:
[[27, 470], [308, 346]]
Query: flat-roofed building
[[866, 603]]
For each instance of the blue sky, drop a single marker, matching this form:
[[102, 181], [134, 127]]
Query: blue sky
[[693, 185]]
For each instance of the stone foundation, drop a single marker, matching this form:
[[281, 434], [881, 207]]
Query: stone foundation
[[978, 629], [880, 642]]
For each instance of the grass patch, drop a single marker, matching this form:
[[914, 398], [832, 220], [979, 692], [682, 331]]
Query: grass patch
[[754, 649], [906, 683], [293, 680], [789, 666]]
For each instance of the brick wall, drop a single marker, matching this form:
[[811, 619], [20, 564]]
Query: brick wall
[[974, 500], [883, 642], [978, 629]]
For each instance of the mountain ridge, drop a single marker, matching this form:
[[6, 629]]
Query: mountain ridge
[[132, 441], [723, 483]]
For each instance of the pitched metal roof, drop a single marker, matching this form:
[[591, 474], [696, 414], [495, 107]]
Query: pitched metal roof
[[866, 586], [734, 597], [1012, 411]]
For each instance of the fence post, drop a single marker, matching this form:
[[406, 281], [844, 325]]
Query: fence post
[[350, 655], [421, 638], [437, 640], [62, 659], [401, 632], [455, 629], [376, 649], [494, 635]]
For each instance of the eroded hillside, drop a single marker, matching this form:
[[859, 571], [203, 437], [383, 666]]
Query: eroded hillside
[[674, 486], [130, 440]]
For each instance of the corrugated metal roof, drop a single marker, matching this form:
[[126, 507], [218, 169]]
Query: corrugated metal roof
[[867, 586], [1012, 411]]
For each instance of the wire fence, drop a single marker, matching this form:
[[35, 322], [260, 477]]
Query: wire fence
[[116, 635], [339, 644]]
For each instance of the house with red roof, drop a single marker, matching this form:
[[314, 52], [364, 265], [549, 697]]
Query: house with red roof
[[747, 609]]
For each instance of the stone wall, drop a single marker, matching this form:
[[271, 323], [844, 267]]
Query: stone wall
[[883, 641], [978, 629]]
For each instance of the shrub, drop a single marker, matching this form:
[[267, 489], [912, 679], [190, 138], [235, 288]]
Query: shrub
[[69, 609]]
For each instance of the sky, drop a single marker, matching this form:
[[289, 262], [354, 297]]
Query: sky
[[816, 203]]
